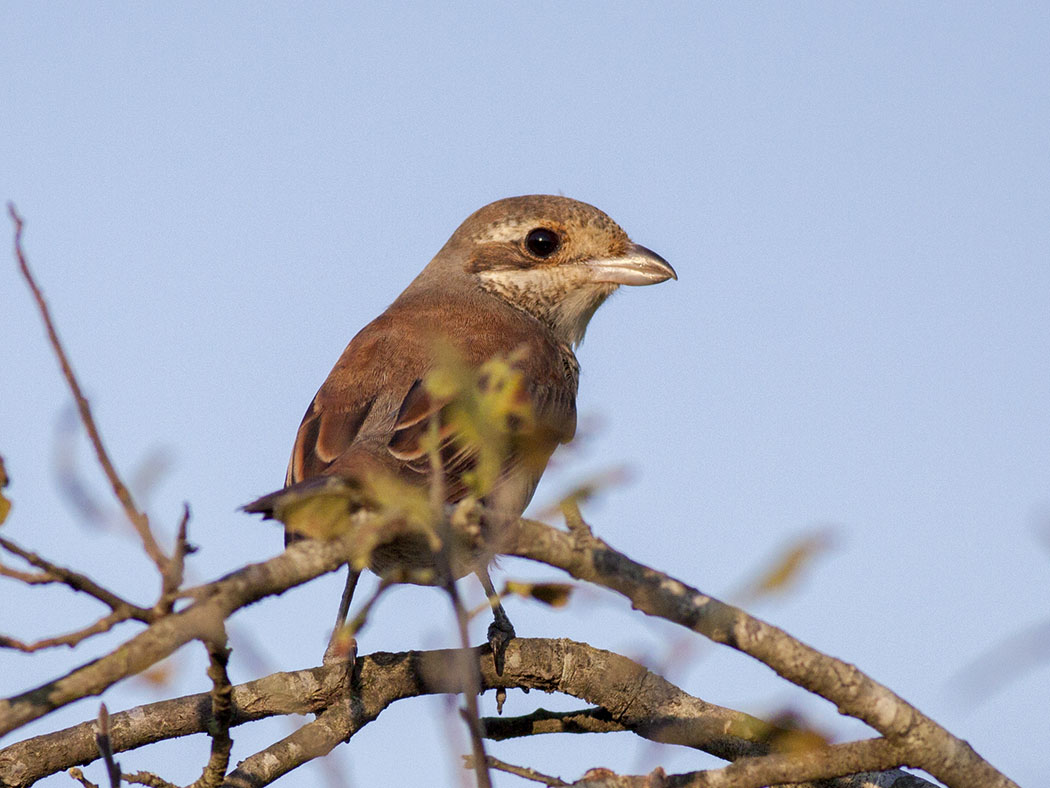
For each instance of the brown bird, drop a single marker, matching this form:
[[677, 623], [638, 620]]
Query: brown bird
[[518, 281]]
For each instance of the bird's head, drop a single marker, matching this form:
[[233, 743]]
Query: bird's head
[[555, 258]]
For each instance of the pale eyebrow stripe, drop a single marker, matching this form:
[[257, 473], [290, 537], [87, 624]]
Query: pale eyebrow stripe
[[502, 232]]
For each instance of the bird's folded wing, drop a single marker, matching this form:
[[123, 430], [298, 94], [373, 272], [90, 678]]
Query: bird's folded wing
[[374, 410]]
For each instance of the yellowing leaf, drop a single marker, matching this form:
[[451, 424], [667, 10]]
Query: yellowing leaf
[[793, 734], [160, 675], [374, 512], [786, 732], [394, 499], [553, 594], [789, 564], [322, 515], [488, 414]]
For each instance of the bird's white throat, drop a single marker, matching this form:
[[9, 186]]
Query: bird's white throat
[[562, 297]]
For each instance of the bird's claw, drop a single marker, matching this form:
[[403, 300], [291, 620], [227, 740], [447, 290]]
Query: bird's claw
[[500, 634]]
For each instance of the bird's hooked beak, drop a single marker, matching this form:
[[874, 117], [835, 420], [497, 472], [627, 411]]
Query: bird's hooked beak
[[640, 266]]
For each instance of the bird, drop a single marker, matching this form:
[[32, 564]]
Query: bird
[[517, 282]]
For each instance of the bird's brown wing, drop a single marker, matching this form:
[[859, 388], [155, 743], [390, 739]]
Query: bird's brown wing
[[373, 411], [534, 419]]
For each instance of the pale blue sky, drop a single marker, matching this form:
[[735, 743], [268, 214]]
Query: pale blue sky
[[856, 199]]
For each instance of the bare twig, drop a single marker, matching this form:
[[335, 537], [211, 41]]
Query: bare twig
[[105, 746], [471, 684], [120, 609], [77, 582], [78, 775], [600, 777], [358, 621], [137, 518], [570, 510], [222, 716], [519, 771], [201, 620], [173, 574], [29, 578], [71, 639], [148, 779], [471, 714]]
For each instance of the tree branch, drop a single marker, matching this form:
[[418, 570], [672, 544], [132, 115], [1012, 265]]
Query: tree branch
[[202, 620], [643, 702], [924, 744], [70, 639], [76, 581], [594, 720], [221, 717]]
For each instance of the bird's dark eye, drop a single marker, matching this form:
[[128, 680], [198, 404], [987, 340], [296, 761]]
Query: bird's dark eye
[[542, 242]]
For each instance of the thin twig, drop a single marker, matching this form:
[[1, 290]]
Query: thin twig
[[137, 518], [354, 625], [78, 775], [213, 603], [149, 779], [71, 639], [472, 686], [77, 582], [518, 771], [570, 510], [174, 574], [222, 716], [471, 680], [29, 578], [105, 746]]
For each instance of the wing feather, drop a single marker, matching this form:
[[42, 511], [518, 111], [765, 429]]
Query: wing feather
[[374, 410]]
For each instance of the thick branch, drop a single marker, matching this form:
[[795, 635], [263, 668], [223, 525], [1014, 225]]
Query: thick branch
[[642, 702], [820, 763], [302, 692]]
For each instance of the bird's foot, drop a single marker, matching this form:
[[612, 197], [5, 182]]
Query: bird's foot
[[501, 632]]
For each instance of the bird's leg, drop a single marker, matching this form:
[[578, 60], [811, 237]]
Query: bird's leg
[[501, 631], [339, 649]]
